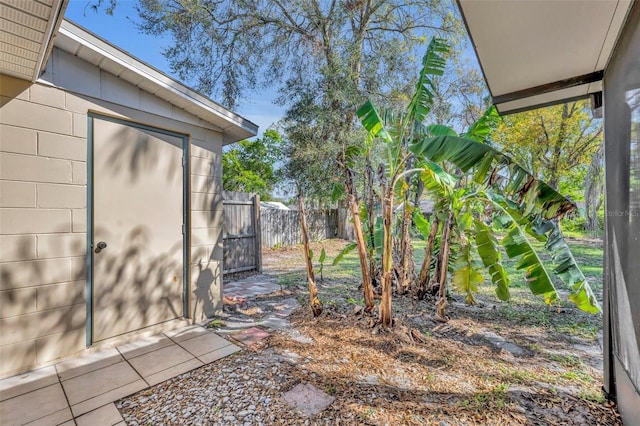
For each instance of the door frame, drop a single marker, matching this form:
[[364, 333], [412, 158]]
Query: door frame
[[186, 225]]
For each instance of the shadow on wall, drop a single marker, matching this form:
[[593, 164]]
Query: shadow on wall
[[134, 288], [207, 282], [135, 153], [43, 304], [207, 222]]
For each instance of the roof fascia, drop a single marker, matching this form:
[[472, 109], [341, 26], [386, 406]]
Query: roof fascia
[[53, 25], [549, 87], [110, 52]]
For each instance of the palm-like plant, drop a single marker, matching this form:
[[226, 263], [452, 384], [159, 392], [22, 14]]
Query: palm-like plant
[[522, 207], [396, 132], [521, 204]]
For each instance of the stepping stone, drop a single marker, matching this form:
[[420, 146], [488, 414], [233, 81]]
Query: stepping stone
[[234, 300], [501, 343], [307, 399], [276, 323], [296, 336], [250, 336], [286, 307]]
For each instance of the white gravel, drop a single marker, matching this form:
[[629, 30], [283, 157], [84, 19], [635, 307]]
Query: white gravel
[[238, 390]]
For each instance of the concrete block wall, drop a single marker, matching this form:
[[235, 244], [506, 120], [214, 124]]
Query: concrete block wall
[[43, 178], [206, 226], [42, 227]]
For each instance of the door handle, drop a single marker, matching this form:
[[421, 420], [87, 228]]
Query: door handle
[[100, 246]]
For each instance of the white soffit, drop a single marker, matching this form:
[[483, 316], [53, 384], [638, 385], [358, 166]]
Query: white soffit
[[540, 52], [27, 28], [91, 48]]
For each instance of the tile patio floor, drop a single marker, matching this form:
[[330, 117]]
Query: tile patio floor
[[81, 391]]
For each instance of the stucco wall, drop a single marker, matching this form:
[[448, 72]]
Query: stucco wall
[[43, 201]]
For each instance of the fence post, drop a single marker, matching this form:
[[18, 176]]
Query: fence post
[[257, 229]]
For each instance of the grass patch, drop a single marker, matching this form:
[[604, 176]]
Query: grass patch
[[216, 323], [492, 399], [592, 395]]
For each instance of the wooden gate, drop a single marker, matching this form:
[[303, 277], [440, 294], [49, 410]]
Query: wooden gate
[[242, 248]]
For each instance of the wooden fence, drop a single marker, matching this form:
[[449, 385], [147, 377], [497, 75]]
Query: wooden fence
[[282, 227], [242, 249], [247, 229]]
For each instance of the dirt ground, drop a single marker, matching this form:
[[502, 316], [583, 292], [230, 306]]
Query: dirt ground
[[489, 365]]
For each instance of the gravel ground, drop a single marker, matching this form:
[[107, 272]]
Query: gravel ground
[[244, 389], [470, 371]]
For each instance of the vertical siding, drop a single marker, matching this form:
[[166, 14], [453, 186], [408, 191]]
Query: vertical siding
[[206, 226]]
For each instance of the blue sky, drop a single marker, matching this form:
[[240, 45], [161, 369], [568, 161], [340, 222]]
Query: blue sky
[[120, 30]]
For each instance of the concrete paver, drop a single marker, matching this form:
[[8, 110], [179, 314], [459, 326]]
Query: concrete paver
[[174, 371], [97, 382], [47, 404], [143, 346], [92, 382], [204, 343], [218, 353], [186, 333], [105, 398], [82, 365], [158, 360], [27, 382], [107, 415]]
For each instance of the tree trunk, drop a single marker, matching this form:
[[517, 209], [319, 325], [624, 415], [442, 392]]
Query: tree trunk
[[362, 248], [423, 278], [386, 315], [371, 218], [405, 248], [314, 301], [593, 192], [441, 304]]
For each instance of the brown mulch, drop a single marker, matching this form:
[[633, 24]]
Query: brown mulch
[[424, 372]]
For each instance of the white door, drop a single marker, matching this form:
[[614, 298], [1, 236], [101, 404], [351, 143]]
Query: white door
[[138, 184]]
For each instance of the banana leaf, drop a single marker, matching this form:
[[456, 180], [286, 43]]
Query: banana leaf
[[482, 128], [422, 224], [372, 122], [566, 268], [441, 130], [534, 195], [487, 247], [466, 277], [433, 63], [348, 249]]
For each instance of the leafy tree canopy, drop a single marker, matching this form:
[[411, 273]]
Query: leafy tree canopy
[[324, 58], [557, 143], [250, 166]]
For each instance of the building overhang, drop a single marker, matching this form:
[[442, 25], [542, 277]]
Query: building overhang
[[539, 53], [27, 31], [93, 49]]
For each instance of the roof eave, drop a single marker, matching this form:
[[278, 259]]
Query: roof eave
[[234, 127], [558, 91], [58, 8]]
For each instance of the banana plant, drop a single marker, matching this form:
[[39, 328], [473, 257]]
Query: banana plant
[[485, 180], [522, 207], [396, 131]]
